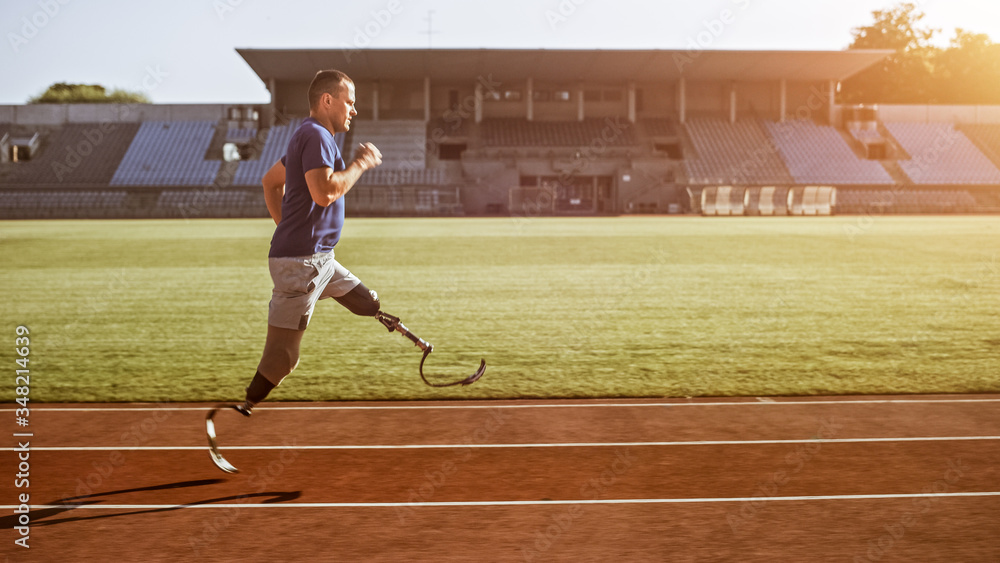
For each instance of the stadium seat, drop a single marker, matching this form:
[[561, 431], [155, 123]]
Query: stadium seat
[[168, 153], [817, 153], [249, 172], [942, 154], [741, 152]]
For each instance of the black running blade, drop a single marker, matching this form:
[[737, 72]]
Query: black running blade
[[467, 381], [479, 373]]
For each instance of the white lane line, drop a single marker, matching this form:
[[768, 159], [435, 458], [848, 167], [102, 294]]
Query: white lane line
[[770, 403], [508, 502], [515, 445]]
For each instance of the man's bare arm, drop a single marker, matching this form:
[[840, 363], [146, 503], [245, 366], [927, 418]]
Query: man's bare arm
[[274, 189], [327, 186]]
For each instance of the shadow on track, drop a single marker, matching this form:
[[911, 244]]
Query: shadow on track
[[43, 517]]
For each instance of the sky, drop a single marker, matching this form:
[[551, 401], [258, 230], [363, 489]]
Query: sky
[[184, 51]]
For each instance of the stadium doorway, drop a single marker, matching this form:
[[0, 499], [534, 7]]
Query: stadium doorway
[[563, 195]]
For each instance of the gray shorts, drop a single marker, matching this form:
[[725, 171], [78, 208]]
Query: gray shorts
[[301, 281]]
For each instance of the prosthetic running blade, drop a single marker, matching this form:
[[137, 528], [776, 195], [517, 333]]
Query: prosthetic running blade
[[467, 381], [392, 323], [213, 446]]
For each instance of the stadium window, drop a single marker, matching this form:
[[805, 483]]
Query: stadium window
[[453, 100], [591, 95], [512, 95], [672, 150], [612, 95], [451, 151], [876, 151], [640, 103], [20, 149], [562, 96], [604, 186], [529, 181], [541, 95], [248, 151], [20, 153], [491, 96]]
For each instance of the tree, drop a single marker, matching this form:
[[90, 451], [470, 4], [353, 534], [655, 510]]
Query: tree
[[905, 76], [968, 72], [63, 93]]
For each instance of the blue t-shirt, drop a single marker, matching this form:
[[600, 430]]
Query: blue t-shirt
[[307, 228]]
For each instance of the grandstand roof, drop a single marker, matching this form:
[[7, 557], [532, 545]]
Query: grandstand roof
[[561, 65]]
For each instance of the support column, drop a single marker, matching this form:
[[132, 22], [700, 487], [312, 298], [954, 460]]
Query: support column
[[783, 101], [682, 99], [479, 102], [530, 93], [427, 99], [579, 103], [272, 86], [375, 101], [732, 103], [832, 100], [631, 102]]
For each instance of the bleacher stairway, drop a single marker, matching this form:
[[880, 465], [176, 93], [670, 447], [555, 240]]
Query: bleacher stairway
[[402, 142], [896, 172]]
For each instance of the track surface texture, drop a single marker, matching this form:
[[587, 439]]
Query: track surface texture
[[901, 478]]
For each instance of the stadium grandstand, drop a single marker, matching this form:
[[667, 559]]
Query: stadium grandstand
[[523, 132]]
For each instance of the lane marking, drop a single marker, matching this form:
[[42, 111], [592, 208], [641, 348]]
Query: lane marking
[[975, 494], [515, 445], [769, 403]]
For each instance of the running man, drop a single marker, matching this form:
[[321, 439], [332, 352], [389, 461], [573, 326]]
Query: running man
[[304, 192]]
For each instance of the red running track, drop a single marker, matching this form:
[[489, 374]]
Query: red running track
[[913, 478]]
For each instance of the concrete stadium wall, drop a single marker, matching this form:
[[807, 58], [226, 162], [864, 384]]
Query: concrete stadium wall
[[487, 187], [504, 108], [757, 98], [658, 100], [929, 113], [806, 101], [60, 114], [292, 97], [708, 98], [404, 100], [646, 187]]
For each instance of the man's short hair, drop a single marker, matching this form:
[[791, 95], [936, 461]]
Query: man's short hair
[[327, 81]]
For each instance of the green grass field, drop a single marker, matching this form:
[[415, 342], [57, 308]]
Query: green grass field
[[588, 307]]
